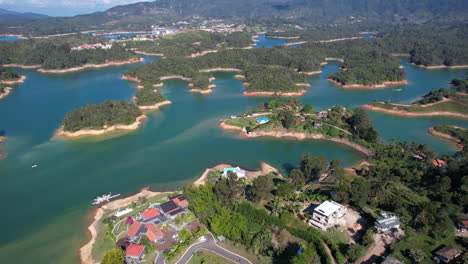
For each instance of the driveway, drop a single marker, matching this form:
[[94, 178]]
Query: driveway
[[210, 244]]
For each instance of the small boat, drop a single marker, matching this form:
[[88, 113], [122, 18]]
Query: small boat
[[398, 90], [34, 166]]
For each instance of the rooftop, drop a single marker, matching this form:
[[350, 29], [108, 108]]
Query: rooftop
[[134, 228], [449, 252], [135, 250], [169, 206], [327, 208], [150, 213], [153, 232]]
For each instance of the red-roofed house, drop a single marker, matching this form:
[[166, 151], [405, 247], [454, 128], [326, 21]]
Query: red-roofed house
[[135, 230], [134, 253], [439, 163], [153, 233], [182, 203], [150, 215]]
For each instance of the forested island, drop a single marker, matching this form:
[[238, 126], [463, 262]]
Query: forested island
[[57, 54], [276, 118], [95, 119], [442, 102], [461, 85], [192, 43]]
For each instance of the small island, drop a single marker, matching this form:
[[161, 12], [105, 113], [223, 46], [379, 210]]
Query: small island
[[98, 119], [290, 119], [459, 135], [442, 102]]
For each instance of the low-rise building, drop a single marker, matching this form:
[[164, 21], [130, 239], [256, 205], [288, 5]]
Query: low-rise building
[[135, 230], [327, 214], [134, 253], [387, 222], [447, 254], [323, 114], [151, 215], [318, 124], [153, 233], [237, 170]]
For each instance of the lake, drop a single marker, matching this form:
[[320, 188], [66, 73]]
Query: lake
[[46, 210]]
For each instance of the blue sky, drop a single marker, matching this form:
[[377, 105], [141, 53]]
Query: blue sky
[[62, 7]]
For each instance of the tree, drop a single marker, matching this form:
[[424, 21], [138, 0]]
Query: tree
[[359, 191], [287, 119], [285, 189], [297, 177], [308, 108], [261, 188], [313, 167], [228, 190], [113, 256]]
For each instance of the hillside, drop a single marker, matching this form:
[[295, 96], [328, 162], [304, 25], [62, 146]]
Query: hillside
[[12, 15], [140, 16]]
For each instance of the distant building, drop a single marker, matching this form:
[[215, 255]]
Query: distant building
[[462, 225], [238, 171], [134, 253], [323, 114], [439, 163], [174, 206], [387, 222], [262, 120], [180, 200], [318, 124], [327, 214], [447, 254]]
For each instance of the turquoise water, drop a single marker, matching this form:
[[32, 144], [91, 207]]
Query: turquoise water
[[46, 209], [8, 38]]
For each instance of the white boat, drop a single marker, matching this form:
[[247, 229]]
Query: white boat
[[34, 166], [398, 90], [104, 198]]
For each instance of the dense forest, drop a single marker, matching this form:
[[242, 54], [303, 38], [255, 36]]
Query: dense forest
[[148, 96], [98, 116], [8, 74], [140, 16], [56, 53], [319, 32], [192, 42]]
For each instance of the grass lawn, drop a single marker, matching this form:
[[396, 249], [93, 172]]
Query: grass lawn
[[445, 106], [103, 243], [421, 242], [207, 256], [244, 252], [242, 122], [151, 257]]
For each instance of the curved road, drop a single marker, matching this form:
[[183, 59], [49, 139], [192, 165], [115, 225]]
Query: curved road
[[209, 244]]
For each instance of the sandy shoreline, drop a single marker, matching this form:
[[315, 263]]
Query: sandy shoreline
[[93, 132], [298, 136], [310, 73], [436, 133], [278, 37], [440, 66], [373, 86], [22, 66], [20, 80], [300, 93], [337, 39], [86, 250], [413, 114], [6, 92], [169, 77], [148, 53], [400, 54], [295, 43], [221, 69], [155, 106], [111, 63], [129, 78], [198, 54]]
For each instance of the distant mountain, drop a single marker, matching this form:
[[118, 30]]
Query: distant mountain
[[140, 16], [12, 15]]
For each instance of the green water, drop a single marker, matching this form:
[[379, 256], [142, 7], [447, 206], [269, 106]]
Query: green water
[[46, 210]]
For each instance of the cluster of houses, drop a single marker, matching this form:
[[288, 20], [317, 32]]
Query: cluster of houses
[[147, 227], [93, 46]]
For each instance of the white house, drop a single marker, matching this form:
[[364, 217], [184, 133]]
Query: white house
[[327, 214], [387, 222], [238, 171]]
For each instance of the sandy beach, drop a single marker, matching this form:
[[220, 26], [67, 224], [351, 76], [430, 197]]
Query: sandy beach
[[22, 66], [155, 106], [413, 114], [221, 69], [6, 92], [310, 73], [111, 63], [20, 80], [169, 77], [148, 53], [440, 66], [295, 43], [93, 132], [128, 78]]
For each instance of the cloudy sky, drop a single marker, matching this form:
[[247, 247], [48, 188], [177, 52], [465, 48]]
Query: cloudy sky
[[62, 7]]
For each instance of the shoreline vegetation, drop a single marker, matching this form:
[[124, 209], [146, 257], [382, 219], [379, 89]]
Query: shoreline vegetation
[[95, 132], [439, 66], [442, 102], [372, 86], [86, 66], [21, 79], [155, 106], [286, 94], [458, 135], [297, 136], [6, 92]]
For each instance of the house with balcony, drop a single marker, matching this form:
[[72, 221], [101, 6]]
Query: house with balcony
[[327, 214]]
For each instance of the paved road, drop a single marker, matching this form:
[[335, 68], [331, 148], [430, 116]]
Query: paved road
[[209, 244]]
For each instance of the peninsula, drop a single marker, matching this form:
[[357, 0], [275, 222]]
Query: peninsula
[[292, 120], [459, 135], [442, 102]]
